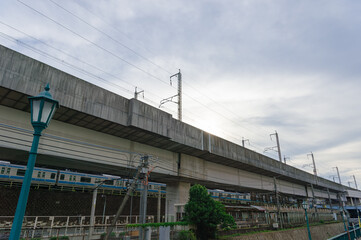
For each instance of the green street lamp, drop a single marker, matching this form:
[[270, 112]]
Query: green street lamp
[[305, 206], [42, 108]]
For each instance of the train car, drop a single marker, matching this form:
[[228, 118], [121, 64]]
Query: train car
[[16, 173], [229, 196], [43, 176]]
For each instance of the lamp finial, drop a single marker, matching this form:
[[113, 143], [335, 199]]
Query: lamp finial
[[47, 88]]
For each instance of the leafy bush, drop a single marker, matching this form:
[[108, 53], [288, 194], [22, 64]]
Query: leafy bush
[[111, 235], [185, 235], [205, 213]]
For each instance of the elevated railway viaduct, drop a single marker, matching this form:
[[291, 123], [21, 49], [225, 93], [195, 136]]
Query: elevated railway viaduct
[[99, 131]]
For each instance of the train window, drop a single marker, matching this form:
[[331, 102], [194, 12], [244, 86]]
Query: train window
[[8, 171], [43, 175], [108, 182], [52, 176], [2, 170], [74, 178], [20, 172], [62, 177], [39, 174], [85, 179]]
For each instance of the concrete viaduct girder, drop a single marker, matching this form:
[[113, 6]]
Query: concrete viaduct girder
[[99, 130]]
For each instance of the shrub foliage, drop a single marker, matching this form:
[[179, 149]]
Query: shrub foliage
[[205, 213]]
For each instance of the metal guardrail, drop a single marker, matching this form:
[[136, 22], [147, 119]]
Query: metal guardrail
[[355, 233]]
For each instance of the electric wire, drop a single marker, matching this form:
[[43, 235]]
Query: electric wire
[[140, 69], [109, 52], [93, 43], [110, 37]]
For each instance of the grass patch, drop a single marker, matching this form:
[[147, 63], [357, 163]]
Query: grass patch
[[280, 230]]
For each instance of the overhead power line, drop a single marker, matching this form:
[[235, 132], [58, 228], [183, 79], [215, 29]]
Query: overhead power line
[[110, 37], [93, 43], [134, 65]]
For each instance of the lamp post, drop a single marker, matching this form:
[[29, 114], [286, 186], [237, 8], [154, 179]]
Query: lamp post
[[42, 108], [305, 205]]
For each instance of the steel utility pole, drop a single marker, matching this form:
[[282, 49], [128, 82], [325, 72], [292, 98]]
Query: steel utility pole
[[314, 201], [120, 210], [279, 218], [179, 95], [355, 181], [329, 200], [143, 197]]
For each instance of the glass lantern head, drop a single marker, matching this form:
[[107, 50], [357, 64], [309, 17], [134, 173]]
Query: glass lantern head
[[42, 108]]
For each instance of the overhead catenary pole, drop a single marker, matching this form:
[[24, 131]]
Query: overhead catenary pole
[[355, 181], [244, 140], [338, 174], [278, 146], [136, 93], [314, 165], [179, 95], [285, 159]]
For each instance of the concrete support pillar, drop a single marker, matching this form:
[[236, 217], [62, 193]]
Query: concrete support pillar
[[177, 194]]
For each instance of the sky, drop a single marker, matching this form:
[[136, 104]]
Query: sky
[[249, 68]]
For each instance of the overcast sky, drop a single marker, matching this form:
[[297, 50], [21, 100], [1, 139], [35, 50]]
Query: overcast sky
[[249, 67]]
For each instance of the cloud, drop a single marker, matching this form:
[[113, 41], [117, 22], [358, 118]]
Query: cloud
[[252, 67]]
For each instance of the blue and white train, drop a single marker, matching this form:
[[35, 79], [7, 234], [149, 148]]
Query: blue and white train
[[44, 176], [50, 177]]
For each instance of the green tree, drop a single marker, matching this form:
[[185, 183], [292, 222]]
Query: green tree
[[205, 213]]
